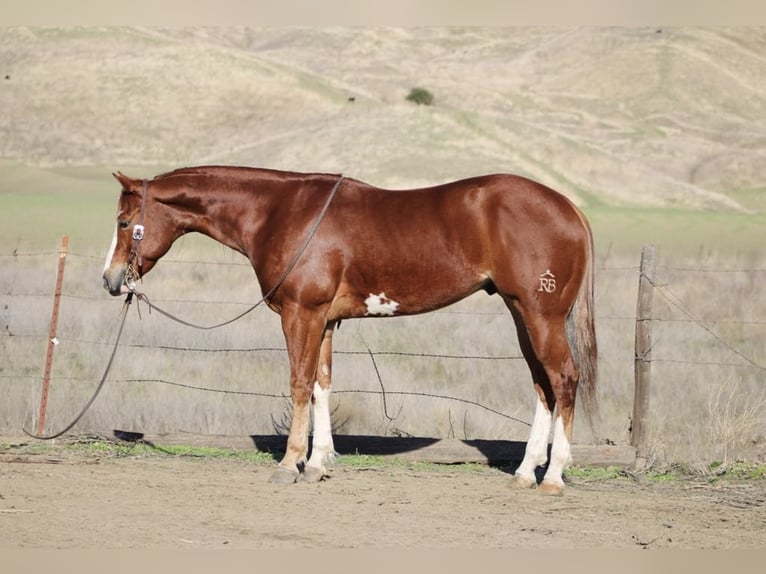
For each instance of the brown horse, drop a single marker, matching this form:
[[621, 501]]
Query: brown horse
[[326, 248]]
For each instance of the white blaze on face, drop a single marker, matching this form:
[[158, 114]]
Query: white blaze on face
[[111, 250], [380, 305]]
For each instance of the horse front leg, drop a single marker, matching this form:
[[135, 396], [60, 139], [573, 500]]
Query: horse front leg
[[303, 335], [322, 448]]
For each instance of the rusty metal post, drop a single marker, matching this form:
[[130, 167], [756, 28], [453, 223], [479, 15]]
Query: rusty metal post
[[52, 341]]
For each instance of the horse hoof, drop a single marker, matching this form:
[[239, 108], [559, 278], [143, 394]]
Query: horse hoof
[[283, 475], [311, 474], [519, 482], [551, 488]]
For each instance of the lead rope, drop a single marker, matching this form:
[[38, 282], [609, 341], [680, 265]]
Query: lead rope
[[137, 236], [285, 273], [100, 384]]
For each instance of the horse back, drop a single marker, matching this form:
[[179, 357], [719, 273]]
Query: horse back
[[426, 248]]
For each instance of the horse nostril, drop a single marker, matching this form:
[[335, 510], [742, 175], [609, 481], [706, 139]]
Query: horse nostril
[[108, 286]]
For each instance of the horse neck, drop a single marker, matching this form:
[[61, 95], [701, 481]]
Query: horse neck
[[242, 209], [218, 210]]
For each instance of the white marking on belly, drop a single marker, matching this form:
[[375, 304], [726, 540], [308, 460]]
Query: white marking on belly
[[111, 250], [380, 305]]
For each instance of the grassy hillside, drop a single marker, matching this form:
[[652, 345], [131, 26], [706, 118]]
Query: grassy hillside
[[611, 116]]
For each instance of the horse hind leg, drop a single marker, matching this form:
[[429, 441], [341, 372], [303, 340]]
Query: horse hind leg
[[552, 365], [561, 451], [536, 451], [557, 360]]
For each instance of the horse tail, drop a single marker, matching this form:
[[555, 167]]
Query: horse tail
[[581, 335]]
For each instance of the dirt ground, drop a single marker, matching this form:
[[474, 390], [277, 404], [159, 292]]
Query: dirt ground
[[63, 498]]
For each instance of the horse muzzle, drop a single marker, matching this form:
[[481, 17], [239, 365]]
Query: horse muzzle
[[115, 283]]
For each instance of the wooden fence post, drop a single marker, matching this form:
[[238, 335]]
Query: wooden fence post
[[52, 341], [643, 357]]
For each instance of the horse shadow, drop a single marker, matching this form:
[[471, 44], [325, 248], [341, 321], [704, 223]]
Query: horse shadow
[[502, 455]]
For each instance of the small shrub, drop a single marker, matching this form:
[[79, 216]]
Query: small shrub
[[735, 415], [420, 96]]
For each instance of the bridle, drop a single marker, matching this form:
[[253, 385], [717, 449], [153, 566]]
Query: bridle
[[138, 232]]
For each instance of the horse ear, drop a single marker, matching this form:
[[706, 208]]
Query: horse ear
[[128, 184]]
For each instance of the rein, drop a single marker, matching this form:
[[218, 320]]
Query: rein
[[267, 296], [100, 383]]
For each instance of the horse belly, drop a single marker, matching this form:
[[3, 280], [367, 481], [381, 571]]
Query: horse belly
[[408, 292]]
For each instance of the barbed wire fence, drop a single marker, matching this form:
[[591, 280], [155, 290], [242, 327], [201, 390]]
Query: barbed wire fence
[[705, 344], [15, 291], [24, 305]]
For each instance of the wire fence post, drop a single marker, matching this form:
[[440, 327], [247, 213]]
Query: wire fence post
[[643, 356], [52, 341]]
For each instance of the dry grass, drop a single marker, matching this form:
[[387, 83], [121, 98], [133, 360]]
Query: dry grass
[[737, 417], [708, 360], [699, 411]]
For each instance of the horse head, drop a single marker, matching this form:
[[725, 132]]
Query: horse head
[[144, 232]]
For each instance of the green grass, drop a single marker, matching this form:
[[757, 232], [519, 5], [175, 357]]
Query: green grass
[[101, 447], [676, 231], [594, 473], [97, 447], [713, 472], [376, 461], [740, 470], [106, 448], [41, 205], [117, 449]]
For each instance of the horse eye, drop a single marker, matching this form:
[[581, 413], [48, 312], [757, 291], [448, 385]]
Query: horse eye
[[124, 224]]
